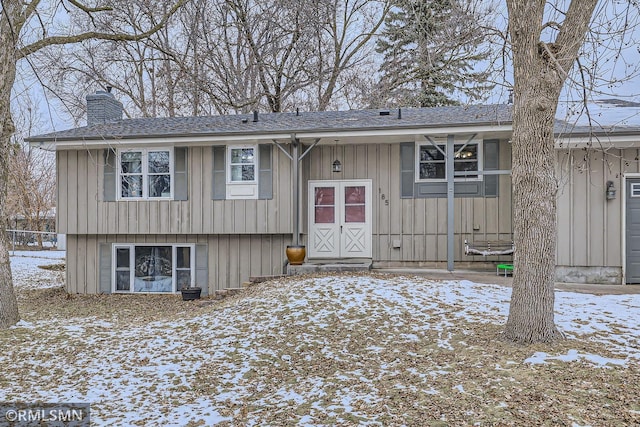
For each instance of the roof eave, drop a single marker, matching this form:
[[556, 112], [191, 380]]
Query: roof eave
[[599, 140], [282, 136]]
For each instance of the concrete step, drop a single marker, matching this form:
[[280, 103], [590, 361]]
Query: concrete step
[[308, 268]]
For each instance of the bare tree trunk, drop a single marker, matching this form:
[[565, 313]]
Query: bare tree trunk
[[540, 70], [13, 17], [534, 212], [8, 303]]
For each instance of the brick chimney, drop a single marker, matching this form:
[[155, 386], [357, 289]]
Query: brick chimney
[[102, 107]]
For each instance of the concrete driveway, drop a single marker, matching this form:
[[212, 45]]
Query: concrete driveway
[[486, 276]]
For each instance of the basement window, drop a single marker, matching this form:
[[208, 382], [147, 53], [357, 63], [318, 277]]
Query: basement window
[[152, 269]]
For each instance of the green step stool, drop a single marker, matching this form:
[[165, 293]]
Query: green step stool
[[506, 269]]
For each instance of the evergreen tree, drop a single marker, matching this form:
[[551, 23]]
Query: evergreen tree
[[430, 49]]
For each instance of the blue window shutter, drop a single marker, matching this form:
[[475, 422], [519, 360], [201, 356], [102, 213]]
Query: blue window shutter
[[265, 172], [181, 187], [104, 253], [491, 148], [219, 173], [109, 179], [407, 169], [202, 268]]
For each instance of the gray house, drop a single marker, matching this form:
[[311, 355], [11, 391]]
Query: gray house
[[150, 205]]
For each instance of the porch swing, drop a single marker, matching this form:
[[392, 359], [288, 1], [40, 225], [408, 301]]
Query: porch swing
[[488, 248]]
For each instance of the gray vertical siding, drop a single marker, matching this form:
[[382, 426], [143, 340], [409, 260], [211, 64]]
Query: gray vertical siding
[[248, 237], [420, 224], [82, 209], [232, 259], [589, 226]]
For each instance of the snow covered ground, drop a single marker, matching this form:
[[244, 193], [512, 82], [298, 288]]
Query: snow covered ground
[[345, 350], [27, 275]]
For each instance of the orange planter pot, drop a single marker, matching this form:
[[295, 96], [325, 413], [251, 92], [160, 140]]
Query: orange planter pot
[[296, 254]]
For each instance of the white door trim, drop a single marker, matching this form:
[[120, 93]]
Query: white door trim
[[324, 238], [336, 234]]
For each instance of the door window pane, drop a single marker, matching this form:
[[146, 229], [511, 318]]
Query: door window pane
[[325, 215], [354, 204], [353, 195], [324, 200], [325, 196], [354, 214]]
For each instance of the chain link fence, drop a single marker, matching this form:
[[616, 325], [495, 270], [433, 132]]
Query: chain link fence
[[28, 239]]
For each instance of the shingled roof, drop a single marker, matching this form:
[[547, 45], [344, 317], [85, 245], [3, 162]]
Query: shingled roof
[[320, 121], [274, 123], [563, 129]]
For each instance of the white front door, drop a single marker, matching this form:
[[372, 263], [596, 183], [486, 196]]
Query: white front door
[[340, 219]]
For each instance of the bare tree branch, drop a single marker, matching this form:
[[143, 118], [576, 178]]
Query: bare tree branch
[[93, 35]]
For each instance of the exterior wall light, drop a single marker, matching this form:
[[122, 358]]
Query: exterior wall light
[[337, 166], [611, 191]]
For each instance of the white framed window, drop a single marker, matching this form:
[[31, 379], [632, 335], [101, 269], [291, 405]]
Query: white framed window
[[242, 172], [431, 161], [242, 164], [145, 173], [635, 189], [152, 268]]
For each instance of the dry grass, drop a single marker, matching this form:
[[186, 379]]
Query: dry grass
[[357, 358], [42, 304], [53, 267]]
